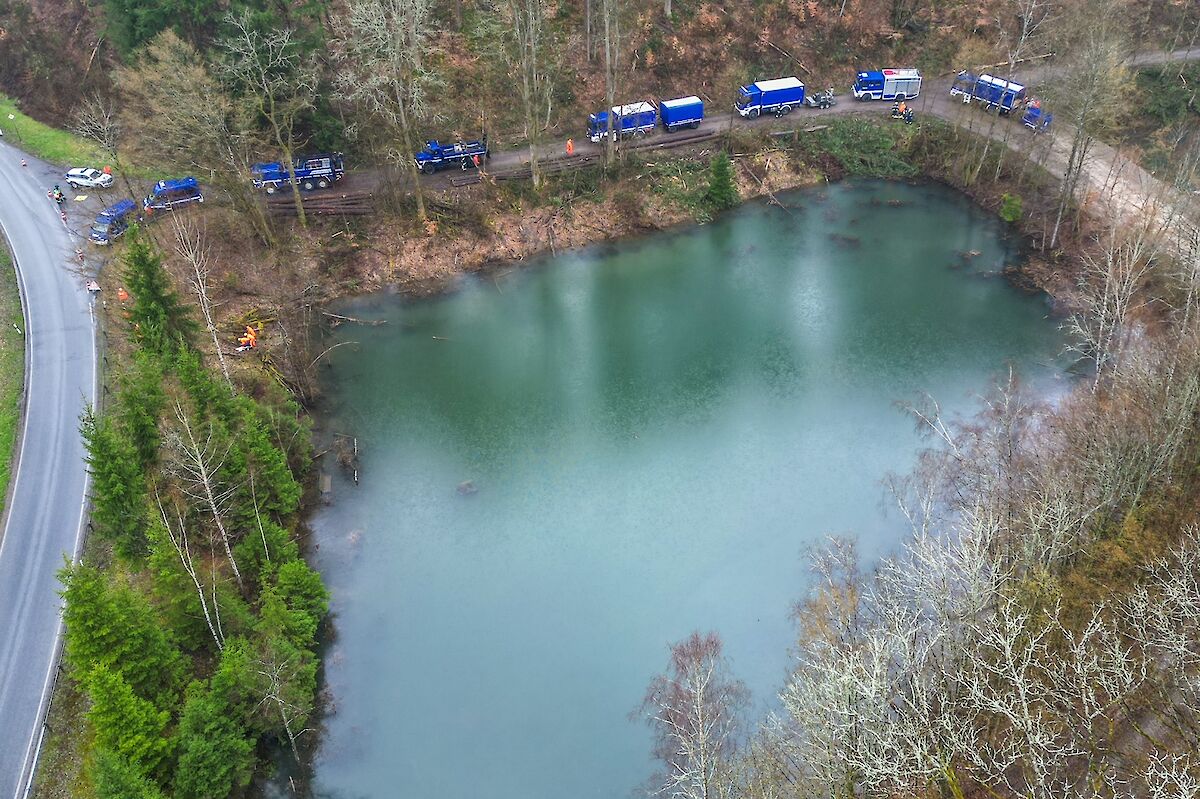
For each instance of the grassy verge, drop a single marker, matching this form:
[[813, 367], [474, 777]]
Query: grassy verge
[[12, 367], [50, 144]]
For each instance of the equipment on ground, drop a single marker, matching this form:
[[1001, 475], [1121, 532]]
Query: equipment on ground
[[309, 172], [887, 84], [634, 119], [988, 91], [113, 221], [682, 112], [169, 194], [823, 99], [778, 97], [435, 155], [1036, 118]]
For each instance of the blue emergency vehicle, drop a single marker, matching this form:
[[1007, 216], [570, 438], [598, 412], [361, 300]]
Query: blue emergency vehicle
[[113, 221], [682, 112], [1036, 118], [887, 84], [310, 172], [778, 97], [988, 91], [435, 155], [633, 119], [169, 194]]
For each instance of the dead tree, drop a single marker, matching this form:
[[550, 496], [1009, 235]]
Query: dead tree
[[189, 243], [96, 120], [182, 545]]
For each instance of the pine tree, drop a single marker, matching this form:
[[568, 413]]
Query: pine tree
[[159, 319], [275, 489], [113, 626], [118, 486], [125, 724], [114, 777], [721, 193], [216, 755]]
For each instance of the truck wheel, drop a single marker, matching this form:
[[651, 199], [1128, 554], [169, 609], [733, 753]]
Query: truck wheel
[[272, 189], [427, 168], [307, 185], [753, 113], [323, 183], [72, 184], [694, 125], [784, 110]]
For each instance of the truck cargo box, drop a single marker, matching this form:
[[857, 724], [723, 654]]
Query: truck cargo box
[[681, 112]]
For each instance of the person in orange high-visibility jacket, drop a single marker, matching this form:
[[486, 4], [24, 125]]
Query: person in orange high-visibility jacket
[[570, 147]]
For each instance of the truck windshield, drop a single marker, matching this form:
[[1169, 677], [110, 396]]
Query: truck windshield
[[100, 228], [743, 97]]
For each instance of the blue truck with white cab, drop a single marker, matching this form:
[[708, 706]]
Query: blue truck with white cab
[[632, 119], [310, 172], [170, 194], [988, 91], [887, 84], [778, 97], [435, 155], [682, 112], [113, 221]]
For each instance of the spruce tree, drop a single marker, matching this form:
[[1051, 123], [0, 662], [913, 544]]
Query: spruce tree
[[139, 405], [125, 724], [216, 754], [159, 318], [114, 777], [721, 194], [119, 498]]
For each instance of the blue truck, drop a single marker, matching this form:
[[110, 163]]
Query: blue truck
[[778, 97], [887, 84], [113, 221], [310, 172], [988, 91], [1036, 118], [170, 194], [632, 119], [682, 112], [435, 155]]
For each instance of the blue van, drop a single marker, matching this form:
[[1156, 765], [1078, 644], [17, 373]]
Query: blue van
[[167, 194], [113, 221]]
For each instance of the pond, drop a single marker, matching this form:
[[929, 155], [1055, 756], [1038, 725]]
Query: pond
[[565, 468]]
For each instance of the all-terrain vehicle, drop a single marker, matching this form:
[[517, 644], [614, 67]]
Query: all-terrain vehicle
[[823, 99]]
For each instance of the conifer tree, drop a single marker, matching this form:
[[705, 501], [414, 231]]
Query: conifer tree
[[118, 486], [721, 194], [139, 405], [113, 626], [159, 319], [216, 755], [125, 724], [114, 777]]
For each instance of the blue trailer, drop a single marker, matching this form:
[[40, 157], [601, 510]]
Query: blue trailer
[[988, 91], [169, 194], [113, 221], [634, 119], [308, 171], [778, 97], [435, 155], [682, 112], [887, 84]]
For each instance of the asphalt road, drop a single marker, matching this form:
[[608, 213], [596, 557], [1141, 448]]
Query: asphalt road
[[45, 511]]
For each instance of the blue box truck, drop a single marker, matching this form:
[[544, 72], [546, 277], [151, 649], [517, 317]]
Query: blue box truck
[[309, 171], [634, 119], [682, 112], [778, 97], [113, 221], [887, 84]]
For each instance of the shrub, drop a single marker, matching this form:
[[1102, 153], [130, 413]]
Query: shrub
[[721, 194], [1011, 208]]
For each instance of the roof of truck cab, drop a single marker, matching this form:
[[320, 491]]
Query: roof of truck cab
[[117, 209], [778, 83], [176, 183], [681, 101]]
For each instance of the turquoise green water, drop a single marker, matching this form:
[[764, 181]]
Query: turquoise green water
[[655, 432]]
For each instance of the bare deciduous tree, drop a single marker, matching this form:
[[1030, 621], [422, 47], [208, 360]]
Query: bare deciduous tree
[[694, 710], [381, 68], [178, 536], [97, 120], [276, 80], [189, 243]]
